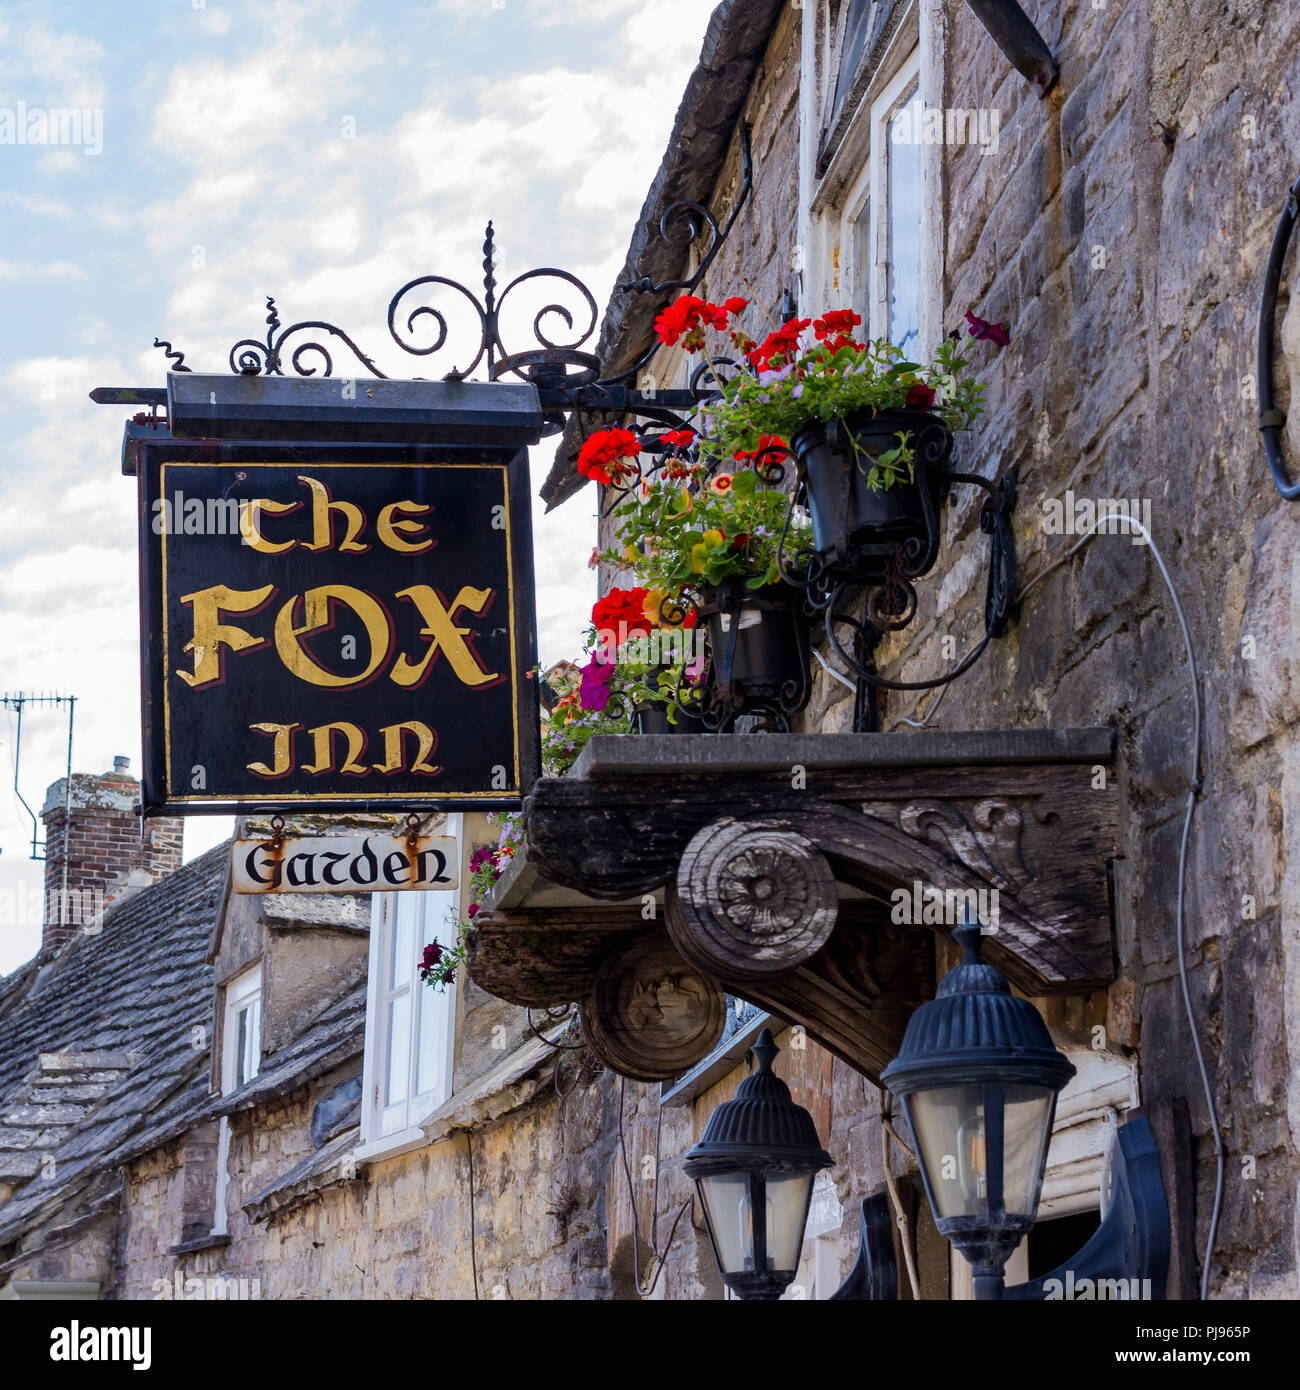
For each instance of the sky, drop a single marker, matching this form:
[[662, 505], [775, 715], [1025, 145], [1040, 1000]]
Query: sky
[[324, 153]]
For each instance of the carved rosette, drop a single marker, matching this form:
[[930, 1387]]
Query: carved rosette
[[751, 901], [651, 1016]]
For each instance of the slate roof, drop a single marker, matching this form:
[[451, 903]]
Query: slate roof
[[104, 1050], [336, 1033]]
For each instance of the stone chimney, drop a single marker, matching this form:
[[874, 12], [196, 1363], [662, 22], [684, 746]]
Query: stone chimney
[[107, 849]]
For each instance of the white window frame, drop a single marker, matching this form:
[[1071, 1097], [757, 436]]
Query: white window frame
[[391, 1128], [243, 995], [872, 184], [830, 200]]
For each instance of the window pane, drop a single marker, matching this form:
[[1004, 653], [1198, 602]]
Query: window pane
[[433, 1036], [248, 1051], [862, 267], [856, 28], [406, 908], [241, 1049], [431, 1047], [904, 250], [399, 1049]]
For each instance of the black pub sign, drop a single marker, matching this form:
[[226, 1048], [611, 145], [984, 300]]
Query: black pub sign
[[334, 626]]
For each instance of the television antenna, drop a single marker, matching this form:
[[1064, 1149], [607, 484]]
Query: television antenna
[[19, 702]]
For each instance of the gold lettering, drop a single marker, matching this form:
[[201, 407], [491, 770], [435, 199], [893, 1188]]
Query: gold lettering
[[324, 737], [249, 514], [211, 634], [316, 615], [388, 528], [440, 627], [394, 761], [282, 749], [322, 524]]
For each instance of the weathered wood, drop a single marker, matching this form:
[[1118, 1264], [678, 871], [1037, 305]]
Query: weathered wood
[[1040, 834], [546, 956], [1171, 1128], [610, 756], [857, 993], [752, 855], [752, 901], [650, 1015]]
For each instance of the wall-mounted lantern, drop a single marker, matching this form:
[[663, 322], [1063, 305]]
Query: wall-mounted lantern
[[754, 1170], [978, 1076]]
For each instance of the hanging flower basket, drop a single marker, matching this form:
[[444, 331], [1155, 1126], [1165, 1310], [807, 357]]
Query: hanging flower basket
[[758, 652], [857, 526], [653, 719]]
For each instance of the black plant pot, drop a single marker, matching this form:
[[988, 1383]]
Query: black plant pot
[[758, 643], [653, 719], [856, 527]]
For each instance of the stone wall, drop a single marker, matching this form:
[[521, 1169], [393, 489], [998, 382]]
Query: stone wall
[[401, 1228], [1121, 229]]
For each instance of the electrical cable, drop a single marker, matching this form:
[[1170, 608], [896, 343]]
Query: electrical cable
[[662, 1260], [473, 1236], [1194, 790]]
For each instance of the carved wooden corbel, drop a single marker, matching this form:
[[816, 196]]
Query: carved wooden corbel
[[798, 894]]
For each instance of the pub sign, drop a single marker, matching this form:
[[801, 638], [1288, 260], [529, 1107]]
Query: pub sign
[[332, 627]]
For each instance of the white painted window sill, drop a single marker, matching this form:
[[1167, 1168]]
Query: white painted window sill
[[390, 1145]]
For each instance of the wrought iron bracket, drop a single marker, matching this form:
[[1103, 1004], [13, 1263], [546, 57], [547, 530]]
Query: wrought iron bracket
[[568, 377], [1024, 47], [875, 1272], [1130, 1250]]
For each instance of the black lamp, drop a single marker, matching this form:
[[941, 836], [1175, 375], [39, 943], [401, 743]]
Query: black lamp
[[754, 1171], [978, 1076]]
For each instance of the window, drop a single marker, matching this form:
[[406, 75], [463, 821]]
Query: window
[[858, 23], [884, 218], [241, 1059], [408, 1024]]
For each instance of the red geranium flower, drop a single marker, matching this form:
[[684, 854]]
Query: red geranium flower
[[772, 447], [622, 612], [920, 396], [984, 331], [601, 457], [839, 322], [685, 320], [783, 343], [679, 439]]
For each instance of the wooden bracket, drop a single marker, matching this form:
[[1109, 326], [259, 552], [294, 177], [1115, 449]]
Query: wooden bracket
[[800, 873]]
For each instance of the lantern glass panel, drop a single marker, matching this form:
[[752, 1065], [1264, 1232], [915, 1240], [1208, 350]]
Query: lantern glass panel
[[725, 1197], [1027, 1130], [948, 1125], [787, 1215]]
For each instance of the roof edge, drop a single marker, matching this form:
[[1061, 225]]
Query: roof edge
[[735, 45]]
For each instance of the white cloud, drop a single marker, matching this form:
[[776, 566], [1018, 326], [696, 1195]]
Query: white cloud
[[41, 270], [47, 68], [244, 156]]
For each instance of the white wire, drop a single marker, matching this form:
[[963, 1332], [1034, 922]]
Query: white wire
[[1193, 792], [833, 673]]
